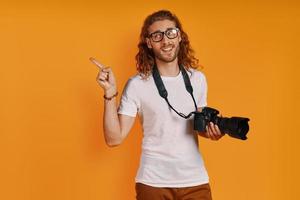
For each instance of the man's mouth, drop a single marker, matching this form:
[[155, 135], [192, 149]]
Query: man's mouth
[[167, 49]]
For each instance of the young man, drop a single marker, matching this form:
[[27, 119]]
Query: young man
[[171, 166]]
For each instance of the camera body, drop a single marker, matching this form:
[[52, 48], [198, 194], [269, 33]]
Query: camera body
[[236, 127]]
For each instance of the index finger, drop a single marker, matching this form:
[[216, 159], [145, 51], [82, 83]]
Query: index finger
[[101, 66]]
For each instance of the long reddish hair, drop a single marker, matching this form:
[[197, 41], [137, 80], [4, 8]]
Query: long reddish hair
[[145, 58]]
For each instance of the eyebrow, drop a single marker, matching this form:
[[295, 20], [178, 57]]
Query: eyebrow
[[159, 31]]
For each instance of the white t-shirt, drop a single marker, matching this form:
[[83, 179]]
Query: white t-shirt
[[170, 155]]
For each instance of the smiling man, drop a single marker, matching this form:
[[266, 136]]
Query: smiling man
[[171, 166]]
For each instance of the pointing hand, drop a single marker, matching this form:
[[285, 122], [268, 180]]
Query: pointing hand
[[105, 78]]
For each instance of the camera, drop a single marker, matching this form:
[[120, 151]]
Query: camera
[[236, 127]]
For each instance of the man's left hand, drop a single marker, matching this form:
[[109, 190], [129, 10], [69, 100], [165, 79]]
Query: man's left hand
[[213, 132]]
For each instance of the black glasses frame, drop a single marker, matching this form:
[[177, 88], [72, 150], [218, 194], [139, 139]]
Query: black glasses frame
[[164, 34]]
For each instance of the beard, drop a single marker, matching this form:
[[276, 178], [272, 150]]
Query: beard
[[167, 57]]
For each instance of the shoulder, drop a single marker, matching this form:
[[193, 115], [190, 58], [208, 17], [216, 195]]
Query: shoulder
[[196, 74], [136, 81], [135, 78]]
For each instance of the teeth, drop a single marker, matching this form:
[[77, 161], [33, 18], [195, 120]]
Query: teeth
[[167, 49]]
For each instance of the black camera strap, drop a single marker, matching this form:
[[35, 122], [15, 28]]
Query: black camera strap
[[163, 92]]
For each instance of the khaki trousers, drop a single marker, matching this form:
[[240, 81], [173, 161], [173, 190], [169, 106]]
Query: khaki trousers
[[146, 192]]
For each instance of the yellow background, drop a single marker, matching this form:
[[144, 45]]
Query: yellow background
[[51, 107]]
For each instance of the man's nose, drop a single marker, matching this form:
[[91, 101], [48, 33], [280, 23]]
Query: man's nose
[[165, 39]]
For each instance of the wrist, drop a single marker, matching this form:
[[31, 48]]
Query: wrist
[[109, 95], [110, 92], [203, 134]]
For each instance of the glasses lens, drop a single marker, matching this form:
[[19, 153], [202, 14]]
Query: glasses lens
[[157, 36], [171, 33]]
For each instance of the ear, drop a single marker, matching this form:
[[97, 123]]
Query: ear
[[148, 43]]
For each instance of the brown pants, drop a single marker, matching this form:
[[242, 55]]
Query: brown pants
[[146, 192]]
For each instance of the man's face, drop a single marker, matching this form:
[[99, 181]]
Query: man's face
[[167, 49]]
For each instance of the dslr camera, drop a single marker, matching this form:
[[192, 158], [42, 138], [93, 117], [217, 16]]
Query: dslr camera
[[236, 127]]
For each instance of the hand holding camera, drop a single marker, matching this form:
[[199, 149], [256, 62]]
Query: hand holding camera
[[236, 127], [212, 132]]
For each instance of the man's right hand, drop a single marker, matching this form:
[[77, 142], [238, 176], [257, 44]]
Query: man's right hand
[[115, 126], [105, 78]]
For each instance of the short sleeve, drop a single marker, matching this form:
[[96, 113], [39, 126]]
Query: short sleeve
[[202, 100], [129, 101]]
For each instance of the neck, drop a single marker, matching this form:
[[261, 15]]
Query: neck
[[168, 68]]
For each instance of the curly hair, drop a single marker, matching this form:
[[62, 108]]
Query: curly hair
[[145, 58]]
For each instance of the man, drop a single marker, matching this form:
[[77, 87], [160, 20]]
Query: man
[[171, 166]]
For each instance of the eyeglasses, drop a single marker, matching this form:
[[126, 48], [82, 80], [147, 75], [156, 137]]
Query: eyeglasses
[[157, 36]]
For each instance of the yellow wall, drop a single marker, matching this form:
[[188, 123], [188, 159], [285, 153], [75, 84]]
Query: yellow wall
[[51, 107]]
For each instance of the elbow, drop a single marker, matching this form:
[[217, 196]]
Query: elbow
[[113, 143], [113, 139]]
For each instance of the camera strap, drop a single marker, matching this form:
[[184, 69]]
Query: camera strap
[[163, 92]]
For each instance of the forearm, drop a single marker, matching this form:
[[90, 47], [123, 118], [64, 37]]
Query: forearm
[[111, 123]]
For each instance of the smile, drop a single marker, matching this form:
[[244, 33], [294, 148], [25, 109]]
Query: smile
[[167, 49]]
